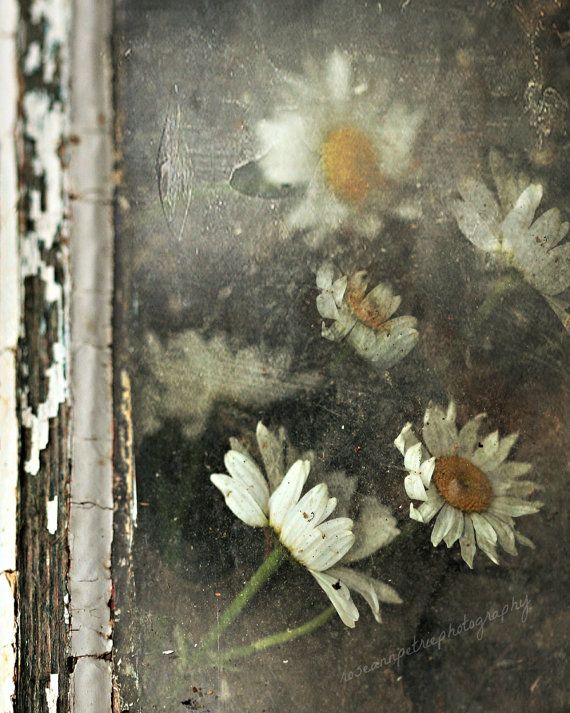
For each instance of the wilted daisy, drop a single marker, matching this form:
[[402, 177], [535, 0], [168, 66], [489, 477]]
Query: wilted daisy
[[469, 482], [364, 319], [505, 227], [301, 522], [348, 150]]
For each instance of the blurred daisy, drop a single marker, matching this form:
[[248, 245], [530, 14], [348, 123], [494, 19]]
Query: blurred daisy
[[301, 523], [506, 228], [364, 320], [469, 482], [330, 138]]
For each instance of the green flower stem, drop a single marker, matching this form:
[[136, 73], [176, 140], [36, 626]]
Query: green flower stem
[[274, 640], [266, 569]]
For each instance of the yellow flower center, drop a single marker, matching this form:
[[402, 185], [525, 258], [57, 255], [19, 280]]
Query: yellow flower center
[[462, 484], [350, 164]]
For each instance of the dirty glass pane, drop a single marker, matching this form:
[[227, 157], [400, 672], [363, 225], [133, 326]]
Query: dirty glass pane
[[338, 246]]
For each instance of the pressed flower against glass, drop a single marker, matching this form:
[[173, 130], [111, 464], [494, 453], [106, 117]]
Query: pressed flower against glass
[[302, 525], [364, 319], [507, 229], [348, 151], [473, 486]]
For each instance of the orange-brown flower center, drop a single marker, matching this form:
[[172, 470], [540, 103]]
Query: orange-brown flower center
[[363, 310], [462, 484], [350, 164]]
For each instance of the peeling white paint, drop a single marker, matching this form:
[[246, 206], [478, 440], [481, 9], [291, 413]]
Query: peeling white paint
[[33, 59], [55, 13], [66, 609], [52, 693], [9, 331], [51, 513], [46, 124], [39, 423]]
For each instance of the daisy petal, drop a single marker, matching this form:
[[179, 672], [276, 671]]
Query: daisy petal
[[486, 536], [336, 538], [329, 509], [288, 493], [483, 529], [244, 470], [467, 542], [513, 507], [326, 274], [413, 458], [443, 524], [414, 513], [338, 77], [456, 529], [518, 221], [326, 306], [426, 471], [287, 158], [304, 515], [468, 436], [271, 450], [415, 489], [339, 596], [339, 288], [360, 583], [382, 301], [524, 540], [512, 470], [239, 500], [439, 431], [406, 439], [477, 215], [432, 506], [385, 347], [505, 533]]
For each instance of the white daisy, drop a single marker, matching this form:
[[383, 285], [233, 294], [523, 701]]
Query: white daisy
[[374, 526], [364, 320], [301, 523], [506, 228], [331, 139], [469, 482]]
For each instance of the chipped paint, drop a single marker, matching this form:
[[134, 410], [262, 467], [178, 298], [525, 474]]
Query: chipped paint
[[9, 331], [55, 15], [52, 693], [51, 514], [45, 125], [33, 60], [43, 349]]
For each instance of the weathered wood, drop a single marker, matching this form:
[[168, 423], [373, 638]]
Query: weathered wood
[[42, 682]]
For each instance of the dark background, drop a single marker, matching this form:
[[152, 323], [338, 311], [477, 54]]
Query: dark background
[[216, 288]]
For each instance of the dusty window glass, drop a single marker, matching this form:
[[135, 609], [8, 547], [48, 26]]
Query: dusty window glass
[[342, 280]]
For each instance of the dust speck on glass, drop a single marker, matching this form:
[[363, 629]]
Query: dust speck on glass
[[342, 234]]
